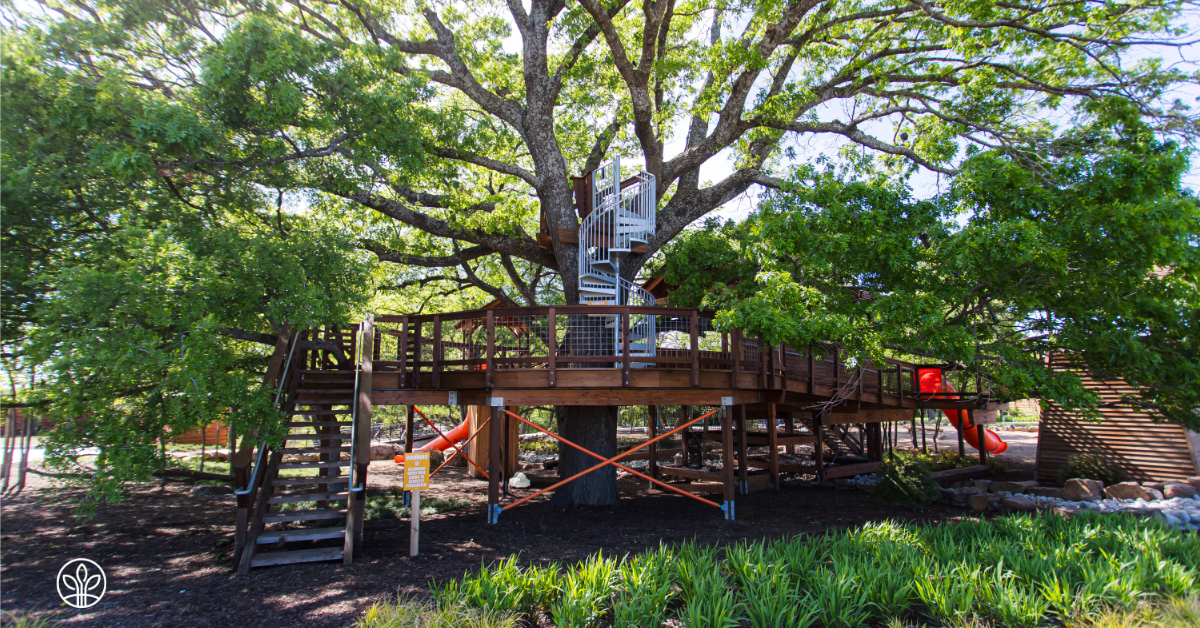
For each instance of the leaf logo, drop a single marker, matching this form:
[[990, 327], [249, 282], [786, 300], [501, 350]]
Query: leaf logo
[[81, 583]]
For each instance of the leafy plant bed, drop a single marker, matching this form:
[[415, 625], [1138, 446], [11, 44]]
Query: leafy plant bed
[[1013, 572]]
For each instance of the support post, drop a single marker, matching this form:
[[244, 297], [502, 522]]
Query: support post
[[552, 347], [789, 428], [495, 433], [695, 344], [980, 436], [924, 440], [727, 454], [773, 443], [818, 447], [743, 469], [409, 429], [651, 432], [414, 524], [962, 446]]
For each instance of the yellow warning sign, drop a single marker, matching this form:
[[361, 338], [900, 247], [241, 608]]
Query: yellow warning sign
[[416, 471]]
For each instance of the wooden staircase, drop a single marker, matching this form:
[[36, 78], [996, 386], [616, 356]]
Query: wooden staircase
[[303, 510]]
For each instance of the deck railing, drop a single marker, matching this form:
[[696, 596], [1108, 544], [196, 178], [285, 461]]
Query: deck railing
[[556, 338]]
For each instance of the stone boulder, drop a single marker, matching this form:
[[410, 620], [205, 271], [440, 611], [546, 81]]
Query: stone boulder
[[1158, 486], [1127, 490], [1178, 489], [1194, 481], [385, 452], [1082, 490], [979, 502], [1155, 494], [983, 485], [1019, 502]]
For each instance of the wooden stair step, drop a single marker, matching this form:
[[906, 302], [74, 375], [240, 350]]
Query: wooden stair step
[[314, 450], [314, 465], [284, 498], [303, 515], [296, 556], [346, 390], [320, 424], [316, 479], [330, 436], [303, 534]]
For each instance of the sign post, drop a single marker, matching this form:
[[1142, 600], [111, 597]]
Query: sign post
[[416, 478]]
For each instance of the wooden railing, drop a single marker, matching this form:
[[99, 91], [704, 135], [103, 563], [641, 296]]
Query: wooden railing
[[554, 338]]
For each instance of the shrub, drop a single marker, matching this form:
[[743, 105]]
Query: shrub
[[1090, 467], [408, 613], [906, 481]]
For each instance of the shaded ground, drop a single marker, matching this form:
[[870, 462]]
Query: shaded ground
[[167, 554]]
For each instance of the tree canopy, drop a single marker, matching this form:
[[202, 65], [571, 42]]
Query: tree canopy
[[1095, 256]]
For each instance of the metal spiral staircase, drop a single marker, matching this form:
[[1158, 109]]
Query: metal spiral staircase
[[622, 218]]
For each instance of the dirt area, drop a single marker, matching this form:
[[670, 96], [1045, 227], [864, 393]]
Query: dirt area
[[167, 553]]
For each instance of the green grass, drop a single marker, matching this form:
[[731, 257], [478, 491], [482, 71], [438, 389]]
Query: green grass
[[1012, 572], [408, 613]]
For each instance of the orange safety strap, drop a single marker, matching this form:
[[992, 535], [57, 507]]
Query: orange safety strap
[[464, 444], [616, 458], [615, 464], [452, 444]]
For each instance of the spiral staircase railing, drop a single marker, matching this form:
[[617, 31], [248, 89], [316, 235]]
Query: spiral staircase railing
[[622, 219]]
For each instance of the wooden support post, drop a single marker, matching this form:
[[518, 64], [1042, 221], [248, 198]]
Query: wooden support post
[[773, 443], [742, 451], [818, 447], [402, 353], [874, 442], [437, 351], [651, 433], [912, 429], [409, 428], [763, 380], [980, 436], [416, 351], [414, 524], [924, 441], [727, 455], [491, 349], [495, 433], [737, 355]]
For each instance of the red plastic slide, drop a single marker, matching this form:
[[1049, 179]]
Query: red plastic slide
[[455, 435], [933, 383]]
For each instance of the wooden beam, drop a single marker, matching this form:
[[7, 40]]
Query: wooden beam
[[773, 443]]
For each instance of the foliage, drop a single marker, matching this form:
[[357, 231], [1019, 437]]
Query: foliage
[[1090, 256], [1092, 467], [1015, 570], [410, 613], [906, 481], [391, 506]]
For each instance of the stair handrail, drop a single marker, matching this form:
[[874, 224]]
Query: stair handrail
[[259, 462], [350, 477]]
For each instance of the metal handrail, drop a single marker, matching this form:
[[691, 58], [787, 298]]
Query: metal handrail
[[354, 414], [262, 445]]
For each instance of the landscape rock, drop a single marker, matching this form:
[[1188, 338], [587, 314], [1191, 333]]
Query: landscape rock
[[1081, 490], [211, 489], [1126, 490], [983, 485], [1019, 502], [1179, 489], [1155, 494], [519, 480], [979, 502], [1045, 491], [970, 490], [1011, 487], [960, 497], [1066, 511], [384, 452], [1158, 486], [1194, 481]]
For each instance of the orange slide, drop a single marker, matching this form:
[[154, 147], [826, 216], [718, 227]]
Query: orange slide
[[455, 435], [932, 383]]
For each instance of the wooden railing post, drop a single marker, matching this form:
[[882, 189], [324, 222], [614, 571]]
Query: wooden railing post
[[625, 346], [437, 351], [418, 327], [552, 347], [812, 372], [356, 501], [736, 340], [491, 347], [727, 455], [402, 353], [762, 362], [695, 338]]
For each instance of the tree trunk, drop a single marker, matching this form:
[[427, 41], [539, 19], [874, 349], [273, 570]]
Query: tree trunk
[[593, 428]]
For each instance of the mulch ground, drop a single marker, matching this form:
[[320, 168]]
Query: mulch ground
[[167, 554]]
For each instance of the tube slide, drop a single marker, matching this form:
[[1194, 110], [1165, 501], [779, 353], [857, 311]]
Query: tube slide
[[932, 382], [455, 435]]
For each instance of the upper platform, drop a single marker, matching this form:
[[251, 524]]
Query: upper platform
[[623, 355]]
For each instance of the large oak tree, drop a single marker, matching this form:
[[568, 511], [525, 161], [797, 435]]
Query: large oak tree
[[445, 129]]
